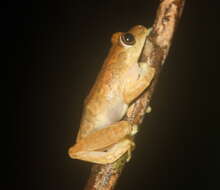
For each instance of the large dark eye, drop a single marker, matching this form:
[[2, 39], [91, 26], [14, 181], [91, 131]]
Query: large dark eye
[[128, 39]]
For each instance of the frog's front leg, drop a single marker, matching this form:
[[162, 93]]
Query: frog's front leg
[[134, 89], [105, 145]]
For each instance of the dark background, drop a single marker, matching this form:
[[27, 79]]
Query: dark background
[[56, 49]]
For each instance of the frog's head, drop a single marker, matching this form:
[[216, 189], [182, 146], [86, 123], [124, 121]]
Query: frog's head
[[130, 43]]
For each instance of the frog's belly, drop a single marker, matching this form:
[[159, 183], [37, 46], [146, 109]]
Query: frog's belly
[[114, 112], [101, 114], [110, 113]]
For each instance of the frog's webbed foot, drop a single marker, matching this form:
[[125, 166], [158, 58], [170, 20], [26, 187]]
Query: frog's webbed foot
[[130, 150]]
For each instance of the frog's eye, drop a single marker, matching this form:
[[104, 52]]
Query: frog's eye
[[127, 39]]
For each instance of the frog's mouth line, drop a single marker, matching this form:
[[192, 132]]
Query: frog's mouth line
[[139, 58], [145, 44]]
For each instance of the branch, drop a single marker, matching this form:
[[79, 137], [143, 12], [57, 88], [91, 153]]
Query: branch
[[104, 177]]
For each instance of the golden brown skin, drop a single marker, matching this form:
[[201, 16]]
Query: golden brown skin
[[102, 137]]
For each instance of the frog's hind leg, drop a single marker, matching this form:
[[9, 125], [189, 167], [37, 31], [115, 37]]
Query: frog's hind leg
[[113, 139], [104, 157]]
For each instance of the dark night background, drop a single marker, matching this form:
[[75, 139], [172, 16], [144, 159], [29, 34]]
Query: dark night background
[[56, 49]]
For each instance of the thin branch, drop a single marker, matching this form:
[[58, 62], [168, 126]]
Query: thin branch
[[104, 177]]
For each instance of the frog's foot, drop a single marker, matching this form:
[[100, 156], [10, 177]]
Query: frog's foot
[[149, 109], [134, 130], [129, 151]]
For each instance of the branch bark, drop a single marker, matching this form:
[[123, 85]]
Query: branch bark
[[104, 177]]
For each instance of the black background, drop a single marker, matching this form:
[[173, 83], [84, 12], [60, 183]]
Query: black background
[[56, 49]]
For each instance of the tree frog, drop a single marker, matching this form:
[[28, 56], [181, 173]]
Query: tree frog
[[104, 136]]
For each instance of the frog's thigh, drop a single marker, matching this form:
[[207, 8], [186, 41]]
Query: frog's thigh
[[111, 155], [102, 138], [133, 90]]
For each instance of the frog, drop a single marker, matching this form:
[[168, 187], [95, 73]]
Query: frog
[[104, 136]]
